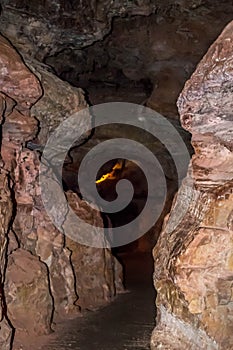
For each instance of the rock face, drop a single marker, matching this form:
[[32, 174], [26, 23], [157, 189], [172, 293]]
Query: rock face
[[44, 274], [5, 217], [51, 26], [98, 283], [161, 42], [193, 257], [27, 293], [59, 101], [17, 96], [158, 53]]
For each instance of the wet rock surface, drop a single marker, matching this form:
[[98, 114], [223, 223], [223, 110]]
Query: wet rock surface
[[193, 272]]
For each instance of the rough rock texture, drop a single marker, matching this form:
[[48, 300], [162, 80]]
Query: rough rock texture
[[98, 283], [59, 101], [28, 295], [38, 235], [5, 218], [30, 287], [40, 284], [51, 26], [17, 96], [161, 41], [158, 53], [193, 257]]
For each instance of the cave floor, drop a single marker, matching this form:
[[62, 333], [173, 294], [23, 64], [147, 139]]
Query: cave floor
[[126, 323]]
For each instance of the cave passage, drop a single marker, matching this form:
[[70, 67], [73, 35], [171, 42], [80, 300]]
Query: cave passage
[[126, 323], [141, 52]]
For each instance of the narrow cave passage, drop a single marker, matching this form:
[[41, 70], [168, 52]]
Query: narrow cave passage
[[55, 64], [126, 323]]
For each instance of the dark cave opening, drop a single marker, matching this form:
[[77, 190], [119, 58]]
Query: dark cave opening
[[119, 68]]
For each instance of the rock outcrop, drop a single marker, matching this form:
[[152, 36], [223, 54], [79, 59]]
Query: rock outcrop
[[20, 89], [161, 42], [42, 275], [98, 283], [193, 257], [28, 297], [51, 26]]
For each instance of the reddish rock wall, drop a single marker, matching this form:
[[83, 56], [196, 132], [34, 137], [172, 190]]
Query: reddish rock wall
[[193, 257], [45, 276]]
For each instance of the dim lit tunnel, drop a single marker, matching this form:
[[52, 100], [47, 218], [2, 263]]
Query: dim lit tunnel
[[125, 317], [60, 294]]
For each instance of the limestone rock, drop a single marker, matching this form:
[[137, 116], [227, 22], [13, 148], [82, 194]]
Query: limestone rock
[[19, 89], [6, 331], [5, 335], [193, 257], [16, 80], [59, 102], [32, 230], [29, 302], [98, 274], [41, 272], [37, 234], [53, 25]]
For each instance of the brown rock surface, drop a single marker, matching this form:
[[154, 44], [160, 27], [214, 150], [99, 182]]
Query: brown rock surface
[[29, 302], [16, 98], [5, 218], [40, 279], [27, 291], [16, 80], [193, 257], [53, 25], [98, 276], [59, 101], [38, 235]]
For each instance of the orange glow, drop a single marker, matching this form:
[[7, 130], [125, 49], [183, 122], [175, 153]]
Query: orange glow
[[108, 176], [111, 175], [117, 166]]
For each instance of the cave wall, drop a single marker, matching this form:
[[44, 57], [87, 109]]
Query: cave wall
[[193, 257], [40, 269], [42, 273], [159, 52], [50, 26], [160, 41]]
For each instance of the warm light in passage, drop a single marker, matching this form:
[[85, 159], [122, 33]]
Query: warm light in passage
[[111, 175]]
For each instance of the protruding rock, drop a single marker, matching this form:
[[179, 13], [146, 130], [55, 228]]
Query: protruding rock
[[193, 257], [29, 302]]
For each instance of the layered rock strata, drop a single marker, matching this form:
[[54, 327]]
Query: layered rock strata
[[41, 273], [193, 257]]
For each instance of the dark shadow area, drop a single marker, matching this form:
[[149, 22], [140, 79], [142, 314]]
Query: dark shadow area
[[127, 323]]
